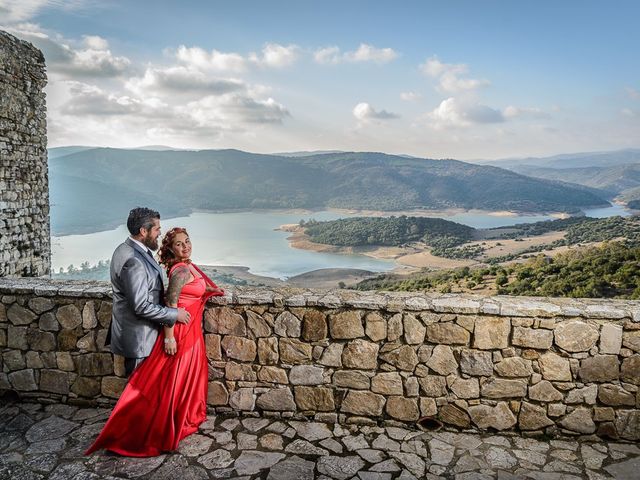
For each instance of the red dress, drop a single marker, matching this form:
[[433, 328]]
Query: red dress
[[165, 399]]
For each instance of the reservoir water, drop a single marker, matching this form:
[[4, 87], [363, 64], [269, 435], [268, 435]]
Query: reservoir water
[[249, 239]]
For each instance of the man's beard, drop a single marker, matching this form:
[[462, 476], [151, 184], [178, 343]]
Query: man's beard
[[150, 243]]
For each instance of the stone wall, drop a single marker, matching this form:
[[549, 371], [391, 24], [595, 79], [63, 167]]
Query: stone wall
[[490, 363], [24, 189]]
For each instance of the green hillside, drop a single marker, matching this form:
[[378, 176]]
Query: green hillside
[[231, 179]]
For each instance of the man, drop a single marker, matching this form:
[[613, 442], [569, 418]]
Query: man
[[138, 291]]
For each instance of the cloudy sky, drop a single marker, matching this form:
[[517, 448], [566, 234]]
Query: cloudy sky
[[458, 79]]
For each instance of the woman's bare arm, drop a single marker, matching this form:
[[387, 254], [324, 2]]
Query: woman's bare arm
[[179, 278]]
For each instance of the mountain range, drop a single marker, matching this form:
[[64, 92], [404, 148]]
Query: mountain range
[[91, 188]]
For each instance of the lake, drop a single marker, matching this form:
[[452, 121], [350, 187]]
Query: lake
[[249, 239]]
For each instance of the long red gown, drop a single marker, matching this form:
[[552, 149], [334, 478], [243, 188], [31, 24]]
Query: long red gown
[[165, 399]]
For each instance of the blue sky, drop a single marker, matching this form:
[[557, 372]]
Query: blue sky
[[457, 79]]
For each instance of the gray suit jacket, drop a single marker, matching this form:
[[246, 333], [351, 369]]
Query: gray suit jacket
[[138, 301]]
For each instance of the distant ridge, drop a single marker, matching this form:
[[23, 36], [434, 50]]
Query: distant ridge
[[573, 160], [182, 180]]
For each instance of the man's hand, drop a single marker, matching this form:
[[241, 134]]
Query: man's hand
[[216, 290], [183, 316]]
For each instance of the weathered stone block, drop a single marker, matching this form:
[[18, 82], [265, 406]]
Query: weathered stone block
[[277, 399], [514, 367], [212, 345], [554, 367], [532, 417], [40, 305], [401, 408], [499, 417], [94, 364], [580, 420], [610, 339], [442, 360], [294, 351], [346, 325], [217, 394], [69, 316], [54, 381], [86, 387], [273, 375], [17, 337], [630, 371], [628, 424], [19, 315], [401, 356], [33, 360], [225, 321], [466, 388], [23, 380], [452, 415], [575, 335], [363, 403], [600, 368], [544, 391], [587, 394], [314, 326], [64, 361], [258, 326], [14, 360], [537, 338], [287, 325], [239, 371], [476, 362], [239, 348], [388, 383], [318, 399], [48, 322], [433, 385], [268, 351], [306, 375], [351, 379], [616, 396], [89, 318], [376, 326], [394, 327], [448, 333], [243, 399], [360, 354], [502, 388], [414, 330], [631, 340], [332, 355], [491, 333]]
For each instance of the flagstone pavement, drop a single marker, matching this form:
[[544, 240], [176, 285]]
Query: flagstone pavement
[[38, 442]]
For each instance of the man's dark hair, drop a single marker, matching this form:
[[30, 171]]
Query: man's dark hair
[[141, 217]]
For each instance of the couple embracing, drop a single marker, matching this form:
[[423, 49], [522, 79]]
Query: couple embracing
[[160, 336]]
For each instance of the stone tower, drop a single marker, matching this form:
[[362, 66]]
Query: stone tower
[[25, 245]]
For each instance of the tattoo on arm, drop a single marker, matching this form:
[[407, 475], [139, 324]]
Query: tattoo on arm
[[179, 278]]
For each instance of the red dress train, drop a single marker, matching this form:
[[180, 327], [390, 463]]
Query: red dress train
[[165, 399]]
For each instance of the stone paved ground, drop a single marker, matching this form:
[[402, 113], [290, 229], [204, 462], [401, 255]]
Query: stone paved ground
[[47, 442]]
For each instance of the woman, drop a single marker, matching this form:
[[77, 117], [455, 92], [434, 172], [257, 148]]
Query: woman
[[166, 397]]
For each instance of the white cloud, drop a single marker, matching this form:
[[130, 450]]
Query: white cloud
[[276, 56], [633, 93], [92, 100], [234, 109], [91, 57], [627, 112], [364, 53], [199, 58], [180, 80], [449, 74], [365, 112], [455, 113], [12, 11], [410, 96], [519, 112]]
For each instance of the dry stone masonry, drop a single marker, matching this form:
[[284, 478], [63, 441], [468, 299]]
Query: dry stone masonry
[[24, 190], [538, 366]]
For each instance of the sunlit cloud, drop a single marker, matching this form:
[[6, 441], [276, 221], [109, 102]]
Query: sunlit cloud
[[365, 112], [450, 76], [364, 53]]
